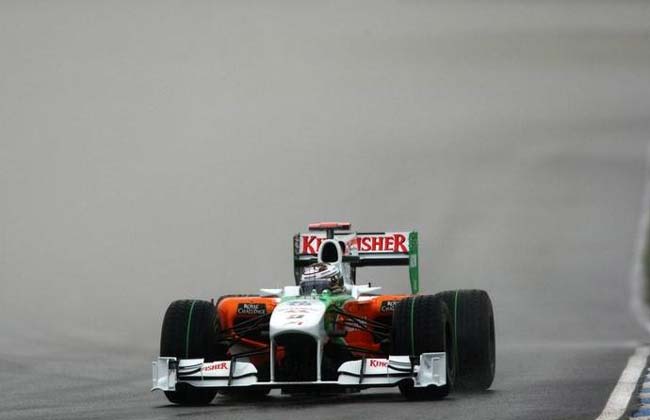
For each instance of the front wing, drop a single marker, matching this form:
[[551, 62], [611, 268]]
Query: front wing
[[362, 373]]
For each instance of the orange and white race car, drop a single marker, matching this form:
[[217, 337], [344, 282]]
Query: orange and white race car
[[326, 333]]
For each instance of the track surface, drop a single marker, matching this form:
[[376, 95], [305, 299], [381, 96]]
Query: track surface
[[164, 150]]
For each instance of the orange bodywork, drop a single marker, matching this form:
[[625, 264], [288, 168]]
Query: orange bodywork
[[231, 310], [377, 309]]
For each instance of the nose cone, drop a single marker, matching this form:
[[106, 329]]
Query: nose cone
[[298, 315]]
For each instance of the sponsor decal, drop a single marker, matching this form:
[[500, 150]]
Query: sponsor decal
[[395, 242], [378, 363], [298, 307], [310, 244], [289, 311], [216, 366], [251, 309], [299, 303], [388, 306]]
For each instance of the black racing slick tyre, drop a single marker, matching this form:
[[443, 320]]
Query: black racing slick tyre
[[473, 336], [422, 324], [189, 332]]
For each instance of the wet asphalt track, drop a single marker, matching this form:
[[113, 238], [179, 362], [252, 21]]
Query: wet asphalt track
[[161, 150]]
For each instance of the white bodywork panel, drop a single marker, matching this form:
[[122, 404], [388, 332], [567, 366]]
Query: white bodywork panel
[[304, 316], [432, 370], [167, 372], [196, 372], [357, 292]]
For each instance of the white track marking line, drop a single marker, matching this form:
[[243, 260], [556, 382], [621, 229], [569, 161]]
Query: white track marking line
[[620, 397]]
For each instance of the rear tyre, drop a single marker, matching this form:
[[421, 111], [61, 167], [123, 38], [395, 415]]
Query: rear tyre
[[474, 337], [189, 332], [421, 324]]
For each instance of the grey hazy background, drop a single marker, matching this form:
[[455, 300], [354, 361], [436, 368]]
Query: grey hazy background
[[159, 150]]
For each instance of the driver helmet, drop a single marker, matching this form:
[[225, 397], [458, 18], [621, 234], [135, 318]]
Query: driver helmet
[[321, 276]]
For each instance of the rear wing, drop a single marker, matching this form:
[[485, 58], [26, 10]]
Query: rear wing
[[360, 249]]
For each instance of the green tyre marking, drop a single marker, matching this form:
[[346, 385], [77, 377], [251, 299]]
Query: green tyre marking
[[187, 333]]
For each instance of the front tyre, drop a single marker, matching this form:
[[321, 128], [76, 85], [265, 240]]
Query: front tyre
[[474, 337], [422, 324], [189, 332]]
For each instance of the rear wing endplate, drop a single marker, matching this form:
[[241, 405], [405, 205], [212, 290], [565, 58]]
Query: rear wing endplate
[[361, 249]]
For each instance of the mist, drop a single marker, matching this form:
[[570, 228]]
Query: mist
[[152, 151]]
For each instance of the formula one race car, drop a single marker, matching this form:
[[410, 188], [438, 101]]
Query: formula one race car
[[328, 334]]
